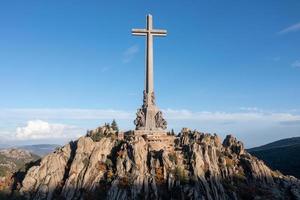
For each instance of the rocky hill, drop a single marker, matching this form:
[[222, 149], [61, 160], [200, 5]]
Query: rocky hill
[[278, 144], [12, 160], [282, 155], [106, 164]]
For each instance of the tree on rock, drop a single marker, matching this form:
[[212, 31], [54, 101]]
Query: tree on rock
[[172, 132], [114, 125]]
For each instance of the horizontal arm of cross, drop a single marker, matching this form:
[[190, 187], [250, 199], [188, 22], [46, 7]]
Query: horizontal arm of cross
[[155, 32], [158, 32], [139, 32]]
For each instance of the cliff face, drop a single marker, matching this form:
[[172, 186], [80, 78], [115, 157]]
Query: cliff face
[[102, 165], [11, 160]]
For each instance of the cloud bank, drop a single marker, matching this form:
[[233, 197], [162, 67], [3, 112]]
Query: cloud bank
[[252, 115], [246, 114], [38, 129], [250, 124]]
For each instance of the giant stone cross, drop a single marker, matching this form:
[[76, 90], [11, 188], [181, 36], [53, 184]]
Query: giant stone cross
[[149, 118]]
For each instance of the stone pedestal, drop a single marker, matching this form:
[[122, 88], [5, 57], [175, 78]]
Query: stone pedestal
[[149, 132], [157, 140], [149, 117]]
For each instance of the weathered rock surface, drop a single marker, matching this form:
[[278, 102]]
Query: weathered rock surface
[[12, 160], [103, 166]]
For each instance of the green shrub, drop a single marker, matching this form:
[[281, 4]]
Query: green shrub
[[86, 161], [108, 163], [114, 125], [229, 162], [97, 137], [3, 171], [181, 175], [172, 157]]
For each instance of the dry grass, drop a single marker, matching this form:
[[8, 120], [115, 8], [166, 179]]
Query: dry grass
[[229, 162], [101, 166], [124, 183], [159, 175]]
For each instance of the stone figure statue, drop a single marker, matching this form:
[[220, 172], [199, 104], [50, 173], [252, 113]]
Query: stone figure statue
[[145, 99], [140, 119], [152, 98], [160, 121]]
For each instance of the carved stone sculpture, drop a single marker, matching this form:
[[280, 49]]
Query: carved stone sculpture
[[160, 121], [140, 119], [152, 98], [145, 99]]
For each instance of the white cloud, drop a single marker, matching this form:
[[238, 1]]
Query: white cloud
[[246, 114], [38, 129], [296, 64], [292, 28], [129, 53], [254, 128], [250, 124], [252, 109], [249, 115]]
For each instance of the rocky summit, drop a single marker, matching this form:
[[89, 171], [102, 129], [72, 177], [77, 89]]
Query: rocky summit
[[107, 164]]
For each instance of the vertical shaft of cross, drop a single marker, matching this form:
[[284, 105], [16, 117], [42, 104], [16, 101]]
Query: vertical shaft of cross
[[149, 118], [149, 58], [149, 32]]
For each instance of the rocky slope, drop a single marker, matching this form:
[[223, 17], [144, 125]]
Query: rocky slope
[[103, 165], [12, 160], [282, 155]]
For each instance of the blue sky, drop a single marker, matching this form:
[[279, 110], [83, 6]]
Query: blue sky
[[225, 67]]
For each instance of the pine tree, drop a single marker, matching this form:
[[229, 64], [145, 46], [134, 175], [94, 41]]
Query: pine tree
[[114, 125], [172, 132]]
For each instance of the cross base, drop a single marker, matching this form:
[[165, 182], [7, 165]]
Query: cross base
[[149, 132], [157, 140]]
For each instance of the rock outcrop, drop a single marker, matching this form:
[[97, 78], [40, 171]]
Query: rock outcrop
[[102, 165], [12, 160]]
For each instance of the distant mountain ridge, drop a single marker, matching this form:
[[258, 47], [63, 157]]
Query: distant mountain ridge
[[282, 155], [277, 144], [40, 149]]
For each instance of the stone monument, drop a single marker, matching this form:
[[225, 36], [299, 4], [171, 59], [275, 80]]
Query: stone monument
[[149, 119]]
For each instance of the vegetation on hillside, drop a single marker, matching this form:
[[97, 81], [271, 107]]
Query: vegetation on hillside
[[285, 159]]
